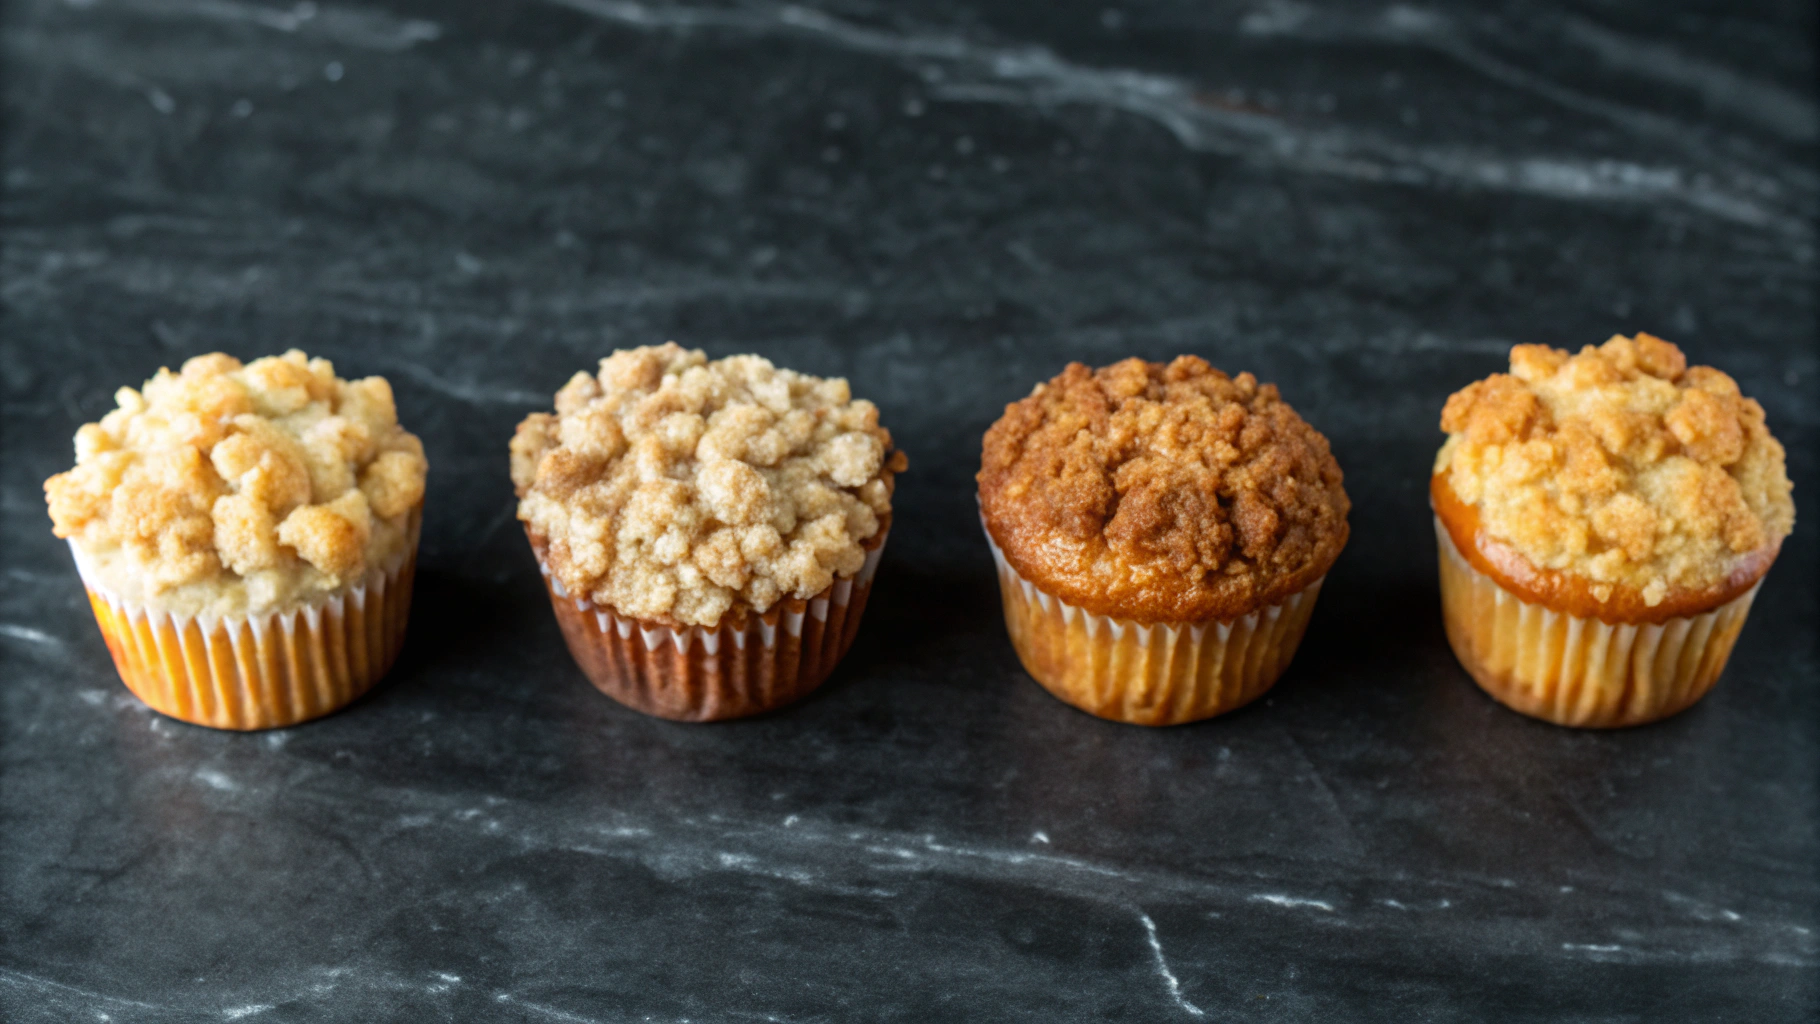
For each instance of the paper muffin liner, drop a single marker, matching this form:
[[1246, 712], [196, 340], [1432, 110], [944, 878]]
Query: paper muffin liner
[[258, 671], [1161, 673], [696, 674], [1580, 671]]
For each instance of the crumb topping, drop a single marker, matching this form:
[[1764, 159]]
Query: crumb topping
[[231, 488], [1162, 492], [675, 489], [1620, 463]]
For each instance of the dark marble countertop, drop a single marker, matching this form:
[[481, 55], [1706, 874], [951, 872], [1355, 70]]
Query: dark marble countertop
[[943, 201]]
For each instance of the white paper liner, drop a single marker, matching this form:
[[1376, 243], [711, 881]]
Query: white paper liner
[[1161, 673], [257, 671], [1580, 671]]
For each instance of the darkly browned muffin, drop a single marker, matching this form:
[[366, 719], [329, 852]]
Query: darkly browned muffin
[[1159, 495]]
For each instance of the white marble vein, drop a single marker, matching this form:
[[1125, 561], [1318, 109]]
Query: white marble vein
[[970, 70], [1461, 39], [1280, 900], [1170, 982], [546, 1012], [847, 862], [28, 634], [367, 29], [1721, 88], [58, 993]]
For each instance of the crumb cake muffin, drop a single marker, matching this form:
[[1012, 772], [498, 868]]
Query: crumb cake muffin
[[247, 535], [1161, 533], [1604, 520], [707, 531]]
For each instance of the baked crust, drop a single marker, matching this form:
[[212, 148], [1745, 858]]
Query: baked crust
[[1613, 604], [230, 488], [1162, 492], [1619, 465]]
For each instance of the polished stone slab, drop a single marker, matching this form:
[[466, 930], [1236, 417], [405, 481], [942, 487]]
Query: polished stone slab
[[944, 202]]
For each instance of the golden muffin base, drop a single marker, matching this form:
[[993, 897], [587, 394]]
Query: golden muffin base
[[695, 674], [1149, 673], [260, 671], [1577, 671]]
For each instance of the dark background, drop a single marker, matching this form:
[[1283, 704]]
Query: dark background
[[944, 202]]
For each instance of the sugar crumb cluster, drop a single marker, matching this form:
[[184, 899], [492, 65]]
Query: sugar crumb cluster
[[676, 489], [232, 487], [1619, 462]]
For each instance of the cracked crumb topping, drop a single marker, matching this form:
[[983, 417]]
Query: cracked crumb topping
[[231, 488], [1620, 463], [1162, 492], [674, 489]]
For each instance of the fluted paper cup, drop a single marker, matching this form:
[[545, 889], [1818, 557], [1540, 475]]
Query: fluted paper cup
[[744, 666], [1149, 673], [1581, 671], [258, 671]]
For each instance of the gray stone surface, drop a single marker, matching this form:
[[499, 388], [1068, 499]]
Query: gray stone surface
[[945, 202]]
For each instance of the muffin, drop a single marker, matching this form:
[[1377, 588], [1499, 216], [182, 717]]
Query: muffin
[[1161, 533], [1604, 521], [708, 531], [247, 536]]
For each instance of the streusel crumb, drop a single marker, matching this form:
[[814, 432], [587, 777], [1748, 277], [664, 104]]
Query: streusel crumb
[[1620, 463], [231, 488], [670, 488], [1162, 492]]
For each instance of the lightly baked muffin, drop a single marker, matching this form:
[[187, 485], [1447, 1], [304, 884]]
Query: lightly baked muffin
[[708, 531], [1604, 521], [247, 535], [1161, 534]]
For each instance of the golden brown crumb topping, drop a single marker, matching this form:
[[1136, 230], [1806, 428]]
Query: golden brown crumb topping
[[674, 489], [1162, 492], [231, 488], [1621, 464]]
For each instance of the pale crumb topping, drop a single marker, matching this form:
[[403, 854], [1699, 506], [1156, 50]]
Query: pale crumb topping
[[670, 487], [231, 488], [1621, 464]]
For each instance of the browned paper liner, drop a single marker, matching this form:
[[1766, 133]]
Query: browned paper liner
[[1580, 671], [1166, 673], [694, 674], [259, 671]]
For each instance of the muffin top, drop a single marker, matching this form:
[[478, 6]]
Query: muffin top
[[235, 489], [1162, 492], [1621, 465], [675, 489]]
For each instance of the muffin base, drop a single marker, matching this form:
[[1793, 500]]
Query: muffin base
[[1578, 671], [259, 671], [735, 670], [1163, 673]]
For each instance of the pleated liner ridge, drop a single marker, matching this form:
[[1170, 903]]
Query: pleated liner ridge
[[261, 671], [1580, 671], [1165, 673], [695, 674]]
